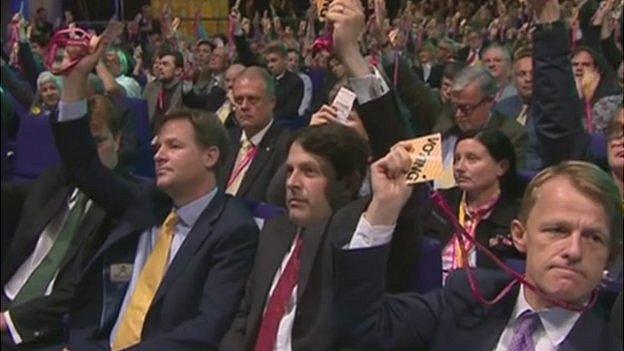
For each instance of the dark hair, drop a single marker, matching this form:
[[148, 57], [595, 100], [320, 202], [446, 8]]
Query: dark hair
[[178, 59], [41, 9], [500, 148], [209, 131], [205, 42], [276, 48], [452, 69], [342, 147], [40, 39]]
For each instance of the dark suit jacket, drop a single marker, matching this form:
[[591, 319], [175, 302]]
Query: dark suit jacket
[[288, 96], [560, 132], [40, 318], [210, 101], [313, 327], [150, 94], [198, 296], [272, 152], [435, 76], [495, 227], [446, 319]]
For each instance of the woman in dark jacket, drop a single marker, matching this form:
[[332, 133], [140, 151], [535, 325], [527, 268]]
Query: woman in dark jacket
[[485, 201]]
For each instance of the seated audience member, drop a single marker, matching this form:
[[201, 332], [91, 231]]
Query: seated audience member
[[225, 112], [294, 65], [49, 88], [472, 98], [471, 53], [429, 71], [485, 201], [258, 145], [286, 307], [615, 150], [210, 92], [288, 86], [497, 59], [518, 106], [181, 251], [112, 70], [569, 226], [41, 266], [165, 93]]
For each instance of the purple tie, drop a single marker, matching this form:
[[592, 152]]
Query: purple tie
[[523, 336]]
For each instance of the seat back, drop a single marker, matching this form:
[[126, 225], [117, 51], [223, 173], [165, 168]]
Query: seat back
[[35, 149], [144, 164], [426, 273]]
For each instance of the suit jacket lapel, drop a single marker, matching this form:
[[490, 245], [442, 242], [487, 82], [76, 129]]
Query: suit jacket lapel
[[275, 242], [312, 238], [152, 97], [193, 242], [587, 334], [228, 165], [25, 246]]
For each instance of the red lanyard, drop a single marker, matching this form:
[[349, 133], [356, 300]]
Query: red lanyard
[[249, 156], [461, 234], [161, 99]]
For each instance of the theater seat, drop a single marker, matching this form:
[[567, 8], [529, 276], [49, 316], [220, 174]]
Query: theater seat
[[426, 274], [144, 165], [35, 149]]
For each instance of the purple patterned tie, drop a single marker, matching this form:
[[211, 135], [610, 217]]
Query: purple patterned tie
[[523, 337]]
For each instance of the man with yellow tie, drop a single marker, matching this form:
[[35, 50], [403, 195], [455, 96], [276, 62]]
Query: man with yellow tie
[[170, 274], [258, 145]]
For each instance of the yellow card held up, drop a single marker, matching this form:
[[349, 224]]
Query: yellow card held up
[[426, 159]]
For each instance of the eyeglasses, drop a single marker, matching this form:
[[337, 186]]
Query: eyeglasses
[[467, 109]]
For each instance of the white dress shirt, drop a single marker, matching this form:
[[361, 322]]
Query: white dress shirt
[[283, 340]]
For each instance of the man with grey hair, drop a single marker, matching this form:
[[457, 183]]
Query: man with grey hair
[[258, 144], [497, 59], [472, 98]]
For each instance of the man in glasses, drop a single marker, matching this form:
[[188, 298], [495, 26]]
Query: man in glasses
[[472, 97]]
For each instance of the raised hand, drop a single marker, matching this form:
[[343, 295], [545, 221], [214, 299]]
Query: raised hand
[[390, 191]]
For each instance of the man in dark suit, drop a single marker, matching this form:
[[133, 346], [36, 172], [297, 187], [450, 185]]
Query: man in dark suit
[[259, 144], [325, 168], [171, 273], [471, 54], [569, 226], [288, 85], [30, 317], [429, 71]]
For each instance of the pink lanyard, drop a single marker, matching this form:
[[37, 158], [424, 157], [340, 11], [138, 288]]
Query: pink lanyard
[[63, 39]]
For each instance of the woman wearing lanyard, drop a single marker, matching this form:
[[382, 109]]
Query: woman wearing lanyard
[[485, 201]]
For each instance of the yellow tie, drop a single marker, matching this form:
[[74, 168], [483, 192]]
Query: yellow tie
[[243, 160], [131, 326], [224, 111]]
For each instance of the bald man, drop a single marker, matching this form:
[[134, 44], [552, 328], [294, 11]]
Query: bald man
[[258, 145]]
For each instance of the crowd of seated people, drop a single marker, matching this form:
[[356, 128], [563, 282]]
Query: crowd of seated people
[[191, 191]]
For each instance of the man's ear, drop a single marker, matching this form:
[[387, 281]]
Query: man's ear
[[519, 235], [211, 157]]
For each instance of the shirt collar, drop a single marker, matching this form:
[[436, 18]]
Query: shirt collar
[[256, 139], [557, 321], [190, 212]]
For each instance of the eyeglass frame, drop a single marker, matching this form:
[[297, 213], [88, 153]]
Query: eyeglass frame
[[469, 109]]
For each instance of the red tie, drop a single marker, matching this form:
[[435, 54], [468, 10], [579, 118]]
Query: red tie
[[279, 300]]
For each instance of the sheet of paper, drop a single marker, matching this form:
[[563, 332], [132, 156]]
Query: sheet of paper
[[343, 102]]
